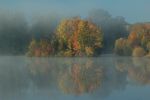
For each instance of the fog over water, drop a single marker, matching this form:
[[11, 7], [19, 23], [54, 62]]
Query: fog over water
[[107, 78], [17, 30]]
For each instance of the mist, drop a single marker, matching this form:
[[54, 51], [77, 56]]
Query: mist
[[17, 29], [74, 49], [112, 27]]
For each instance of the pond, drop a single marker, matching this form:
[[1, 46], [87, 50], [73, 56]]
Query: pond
[[102, 78]]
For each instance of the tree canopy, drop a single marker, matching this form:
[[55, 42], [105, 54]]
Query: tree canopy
[[74, 37], [137, 41], [79, 37]]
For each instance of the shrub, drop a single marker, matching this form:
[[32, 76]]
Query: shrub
[[138, 52]]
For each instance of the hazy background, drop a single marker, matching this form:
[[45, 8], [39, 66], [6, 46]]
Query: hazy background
[[132, 10], [22, 20]]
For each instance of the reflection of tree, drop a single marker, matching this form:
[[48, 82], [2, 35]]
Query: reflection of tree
[[74, 75], [85, 75], [98, 77], [140, 72], [122, 64], [41, 71], [113, 80], [81, 77], [138, 69], [78, 75]]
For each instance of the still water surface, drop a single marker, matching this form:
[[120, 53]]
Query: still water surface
[[103, 78]]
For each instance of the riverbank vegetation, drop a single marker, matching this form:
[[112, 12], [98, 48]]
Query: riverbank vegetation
[[73, 37], [137, 43], [92, 35]]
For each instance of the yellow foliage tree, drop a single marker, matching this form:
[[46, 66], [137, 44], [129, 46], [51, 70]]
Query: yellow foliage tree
[[80, 36], [137, 41], [138, 52], [40, 48]]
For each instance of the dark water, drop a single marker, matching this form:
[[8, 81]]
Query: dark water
[[103, 78]]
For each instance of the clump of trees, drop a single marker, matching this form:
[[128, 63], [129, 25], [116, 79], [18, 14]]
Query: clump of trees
[[40, 48], [73, 37], [138, 42], [122, 47], [17, 31], [138, 52], [98, 33], [79, 37]]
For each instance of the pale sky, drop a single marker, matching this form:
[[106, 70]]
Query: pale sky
[[132, 10]]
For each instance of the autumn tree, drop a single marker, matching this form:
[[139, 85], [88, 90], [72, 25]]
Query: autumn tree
[[138, 52], [122, 47], [141, 33], [137, 41], [79, 37], [32, 47], [133, 39], [40, 48]]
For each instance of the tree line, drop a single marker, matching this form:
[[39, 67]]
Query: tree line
[[53, 35], [137, 43]]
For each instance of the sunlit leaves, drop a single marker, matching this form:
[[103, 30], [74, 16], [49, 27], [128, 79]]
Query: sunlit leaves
[[122, 47], [78, 36], [136, 68], [40, 48], [139, 37], [74, 37], [138, 52]]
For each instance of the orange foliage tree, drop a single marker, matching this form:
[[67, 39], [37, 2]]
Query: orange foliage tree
[[79, 37], [40, 48], [139, 37]]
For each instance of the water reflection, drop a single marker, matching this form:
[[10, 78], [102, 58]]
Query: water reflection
[[30, 78], [13, 77], [80, 77], [138, 70]]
